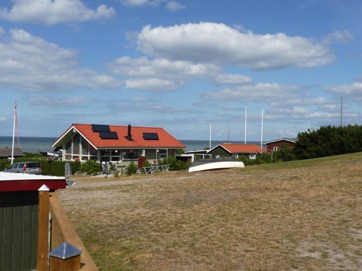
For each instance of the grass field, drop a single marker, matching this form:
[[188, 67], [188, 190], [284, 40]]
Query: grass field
[[301, 215]]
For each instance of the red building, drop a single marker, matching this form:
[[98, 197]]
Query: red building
[[275, 145]]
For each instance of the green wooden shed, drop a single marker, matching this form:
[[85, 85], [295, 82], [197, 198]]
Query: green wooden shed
[[19, 218]]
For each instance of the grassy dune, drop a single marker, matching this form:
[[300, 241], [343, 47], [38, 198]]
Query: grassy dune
[[302, 215]]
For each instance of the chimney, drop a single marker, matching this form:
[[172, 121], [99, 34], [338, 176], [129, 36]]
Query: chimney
[[129, 134]]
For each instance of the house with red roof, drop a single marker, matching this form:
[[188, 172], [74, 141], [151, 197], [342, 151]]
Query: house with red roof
[[115, 143], [234, 150]]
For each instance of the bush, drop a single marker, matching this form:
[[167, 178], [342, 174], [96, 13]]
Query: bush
[[175, 164], [131, 169], [4, 163], [50, 167], [245, 159], [91, 167], [57, 168]]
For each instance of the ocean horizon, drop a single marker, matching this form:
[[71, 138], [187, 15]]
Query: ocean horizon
[[44, 144]]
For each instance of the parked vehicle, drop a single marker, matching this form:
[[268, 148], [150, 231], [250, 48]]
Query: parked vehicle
[[25, 167]]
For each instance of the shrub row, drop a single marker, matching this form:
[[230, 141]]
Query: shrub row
[[54, 168]]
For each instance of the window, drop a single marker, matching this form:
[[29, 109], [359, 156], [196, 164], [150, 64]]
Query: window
[[76, 144], [130, 155], [150, 136]]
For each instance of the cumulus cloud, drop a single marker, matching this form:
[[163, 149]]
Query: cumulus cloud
[[223, 45], [266, 92], [352, 89], [174, 6], [41, 100], [338, 37], [232, 79], [154, 84], [145, 74], [31, 63], [52, 12], [141, 3]]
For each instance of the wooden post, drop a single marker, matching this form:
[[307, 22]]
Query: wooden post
[[43, 229], [72, 264], [65, 257]]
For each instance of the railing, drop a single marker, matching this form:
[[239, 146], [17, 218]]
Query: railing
[[61, 230]]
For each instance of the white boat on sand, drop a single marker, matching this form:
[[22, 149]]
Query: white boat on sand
[[212, 164]]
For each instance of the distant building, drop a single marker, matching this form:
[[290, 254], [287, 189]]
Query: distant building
[[275, 145], [5, 153], [235, 150], [82, 142]]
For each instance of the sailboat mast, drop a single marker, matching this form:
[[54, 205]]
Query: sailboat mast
[[210, 136], [262, 128], [246, 111], [14, 125]]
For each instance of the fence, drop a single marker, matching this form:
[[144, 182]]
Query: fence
[[63, 231]]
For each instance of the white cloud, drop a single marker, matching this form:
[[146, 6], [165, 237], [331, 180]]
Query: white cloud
[[353, 89], [141, 3], [46, 100], [174, 6], [161, 67], [154, 84], [302, 100], [144, 74], [232, 79], [51, 12], [221, 44], [338, 37], [261, 92], [31, 63], [350, 92]]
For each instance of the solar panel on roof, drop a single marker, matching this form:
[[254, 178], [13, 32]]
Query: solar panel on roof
[[100, 128], [108, 135], [150, 136]]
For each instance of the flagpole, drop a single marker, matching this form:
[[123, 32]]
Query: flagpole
[[14, 124], [262, 128], [246, 112], [210, 136]]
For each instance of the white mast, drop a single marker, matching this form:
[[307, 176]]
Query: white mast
[[246, 111], [341, 109], [262, 128], [14, 125], [210, 136]]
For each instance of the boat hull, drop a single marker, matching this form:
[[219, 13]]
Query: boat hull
[[202, 165]]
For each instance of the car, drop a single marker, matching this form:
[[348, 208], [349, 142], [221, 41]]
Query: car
[[25, 167]]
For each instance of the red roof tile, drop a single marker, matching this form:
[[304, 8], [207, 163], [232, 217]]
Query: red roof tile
[[165, 140], [241, 148]]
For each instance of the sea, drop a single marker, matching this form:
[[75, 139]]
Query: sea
[[44, 144]]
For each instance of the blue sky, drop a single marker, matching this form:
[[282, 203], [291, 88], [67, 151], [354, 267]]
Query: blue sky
[[181, 65]]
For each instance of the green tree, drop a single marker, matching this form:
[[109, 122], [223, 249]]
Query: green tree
[[327, 141]]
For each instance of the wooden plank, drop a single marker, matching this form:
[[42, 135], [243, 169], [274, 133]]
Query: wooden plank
[[43, 230], [17, 238], [67, 233], [7, 239], [30, 237]]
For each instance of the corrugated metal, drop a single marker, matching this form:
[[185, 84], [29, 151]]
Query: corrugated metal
[[18, 230]]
